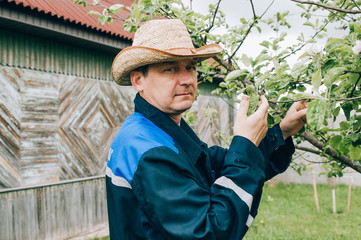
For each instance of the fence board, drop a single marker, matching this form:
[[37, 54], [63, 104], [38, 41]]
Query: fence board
[[57, 211]]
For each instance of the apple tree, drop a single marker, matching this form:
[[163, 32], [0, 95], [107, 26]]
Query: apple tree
[[328, 75]]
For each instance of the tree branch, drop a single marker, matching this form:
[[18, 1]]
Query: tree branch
[[308, 160], [255, 19], [253, 10], [328, 7], [314, 35], [333, 100], [306, 149], [214, 17], [352, 71], [115, 14], [287, 101], [356, 4], [346, 99], [242, 40], [354, 87], [331, 152]]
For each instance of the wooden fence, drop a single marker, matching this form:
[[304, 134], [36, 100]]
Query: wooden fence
[[56, 211]]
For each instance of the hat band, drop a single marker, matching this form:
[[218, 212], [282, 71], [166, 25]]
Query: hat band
[[181, 51]]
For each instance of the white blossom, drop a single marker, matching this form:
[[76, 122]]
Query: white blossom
[[313, 49], [305, 59], [357, 48]]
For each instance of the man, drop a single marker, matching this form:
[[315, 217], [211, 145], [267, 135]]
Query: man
[[162, 181]]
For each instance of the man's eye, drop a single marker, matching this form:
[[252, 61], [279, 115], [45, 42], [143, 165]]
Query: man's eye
[[192, 68], [169, 69]]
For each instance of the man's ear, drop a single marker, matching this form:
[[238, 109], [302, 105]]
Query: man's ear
[[137, 78]]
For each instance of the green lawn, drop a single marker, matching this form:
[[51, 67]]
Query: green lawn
[[288, 212]]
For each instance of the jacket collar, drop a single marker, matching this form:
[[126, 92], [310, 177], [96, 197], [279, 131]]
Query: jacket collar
[[183, 135]]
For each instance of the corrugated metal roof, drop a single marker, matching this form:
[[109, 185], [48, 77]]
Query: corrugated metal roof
[[67, 10]]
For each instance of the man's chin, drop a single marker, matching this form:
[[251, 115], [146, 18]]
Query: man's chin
[[180, 110]]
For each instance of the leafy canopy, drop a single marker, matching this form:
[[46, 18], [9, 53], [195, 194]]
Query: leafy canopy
[[332, 71]]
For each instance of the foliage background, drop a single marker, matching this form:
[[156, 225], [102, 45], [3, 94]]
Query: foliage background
[[331, 72]]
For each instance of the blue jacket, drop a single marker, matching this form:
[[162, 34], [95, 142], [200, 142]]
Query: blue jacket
[[163, 182]]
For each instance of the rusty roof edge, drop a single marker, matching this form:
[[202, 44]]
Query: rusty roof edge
[[96, 28], [95, 35], [67, 20]]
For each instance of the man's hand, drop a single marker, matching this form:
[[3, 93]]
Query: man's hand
[[294, 120], [253, 127]]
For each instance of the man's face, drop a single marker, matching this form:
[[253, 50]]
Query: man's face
[[171, 86]]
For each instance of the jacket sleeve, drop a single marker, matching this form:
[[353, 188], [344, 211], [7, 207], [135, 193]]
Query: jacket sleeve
[[277, 152], [179, 206], [217, 155]]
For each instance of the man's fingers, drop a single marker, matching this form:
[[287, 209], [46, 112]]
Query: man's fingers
[[263, 107], [302, 115], [243, 106], [302, 112], [300, 105]]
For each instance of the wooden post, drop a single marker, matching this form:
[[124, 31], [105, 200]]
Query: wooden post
[[334, 199], [349, 194], [315, 189], [333, 190]]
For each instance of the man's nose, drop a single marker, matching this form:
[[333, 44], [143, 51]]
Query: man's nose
[[186, 77]]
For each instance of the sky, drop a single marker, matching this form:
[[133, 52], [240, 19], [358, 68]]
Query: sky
[[236, 9]]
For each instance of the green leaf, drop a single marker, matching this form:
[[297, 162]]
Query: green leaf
[[335, 141], [94, 13], [101, 19], [116, 8], [236, 74], [96, 2], [262, 58], [253, 104], [355, 152], [332, 76], [277, 67], [344, 146], [109, 19], [316, 113], [344, 125], [305, 54], [354, 137], [347, 108], [246, 60], [316, 79], [262, 78], [336, 111], [223, 85], [297, 69], [334, 43], [266, 44], [298, 96]]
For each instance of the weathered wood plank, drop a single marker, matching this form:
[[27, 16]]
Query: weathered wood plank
[[68, 124], [56, 211], [223, 119], [10, 132], [25, 51]]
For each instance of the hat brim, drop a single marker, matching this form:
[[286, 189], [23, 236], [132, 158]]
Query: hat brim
[[133, 57]]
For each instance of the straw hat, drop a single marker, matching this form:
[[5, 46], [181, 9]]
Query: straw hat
[[158, 41]]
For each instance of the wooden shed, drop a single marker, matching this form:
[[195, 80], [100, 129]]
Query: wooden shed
[[59, 112], [59, 106]]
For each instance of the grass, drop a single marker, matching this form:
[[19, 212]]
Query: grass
[[288, 212]]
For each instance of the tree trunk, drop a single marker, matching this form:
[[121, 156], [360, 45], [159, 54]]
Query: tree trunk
[[356, 165]]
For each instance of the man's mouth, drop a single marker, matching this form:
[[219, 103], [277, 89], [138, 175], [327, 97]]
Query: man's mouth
[[183, 94]]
